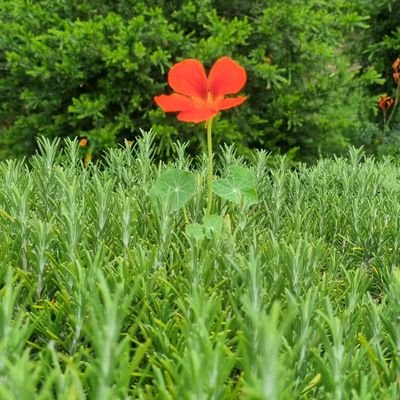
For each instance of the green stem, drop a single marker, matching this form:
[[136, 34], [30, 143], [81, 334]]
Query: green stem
[[210, 164], [381, 139]]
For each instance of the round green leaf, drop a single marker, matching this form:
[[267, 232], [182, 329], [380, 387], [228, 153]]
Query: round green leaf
[[239, 186], [195, 231], [174, 187], [214, 224]]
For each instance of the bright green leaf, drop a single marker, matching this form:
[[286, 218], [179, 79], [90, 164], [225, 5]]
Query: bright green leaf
[[174, 187], [213, 223], [195, 231], [239, 186]]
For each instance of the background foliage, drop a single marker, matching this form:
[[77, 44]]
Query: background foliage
[[91, 68], [381, 46]]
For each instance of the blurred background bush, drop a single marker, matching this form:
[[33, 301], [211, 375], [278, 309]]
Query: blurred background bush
[[90, 69]]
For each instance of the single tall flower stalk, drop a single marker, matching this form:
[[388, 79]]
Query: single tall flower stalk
[[198, 97], [210, 164]]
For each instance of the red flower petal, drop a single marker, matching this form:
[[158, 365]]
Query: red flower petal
[[226, 77], [189, 78], [197, 115], [173, 102], [230, 102]]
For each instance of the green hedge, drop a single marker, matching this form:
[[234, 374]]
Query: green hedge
[[92, 68]]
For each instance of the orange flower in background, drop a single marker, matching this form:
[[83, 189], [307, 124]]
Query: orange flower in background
[[83, 142], [396, 69], [385, 102], [199, 97], [396, 64]]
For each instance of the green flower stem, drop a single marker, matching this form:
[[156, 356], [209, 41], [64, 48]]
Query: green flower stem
[[210, 164]]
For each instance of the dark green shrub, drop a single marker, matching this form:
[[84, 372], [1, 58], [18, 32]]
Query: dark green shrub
[[92, 68], [81, 74]]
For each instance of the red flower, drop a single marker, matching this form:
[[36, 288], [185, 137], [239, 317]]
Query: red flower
[[197, 97], [385, 102]]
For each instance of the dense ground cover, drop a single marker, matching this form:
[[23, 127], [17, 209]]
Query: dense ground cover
[[104, 296]]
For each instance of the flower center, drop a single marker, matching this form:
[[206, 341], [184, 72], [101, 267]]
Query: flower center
[[210, 99]]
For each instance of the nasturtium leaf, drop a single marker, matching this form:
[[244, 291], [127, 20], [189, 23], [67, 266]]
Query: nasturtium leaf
[[195, 231], [213, 223], [239, 186], [174, 187]]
